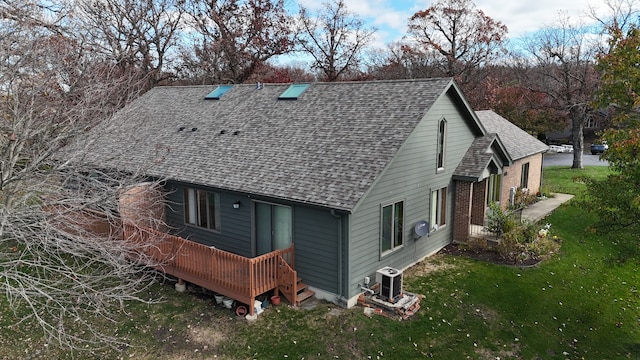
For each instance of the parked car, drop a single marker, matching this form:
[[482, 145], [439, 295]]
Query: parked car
[[556, 148], [599, 148], [567, 148]]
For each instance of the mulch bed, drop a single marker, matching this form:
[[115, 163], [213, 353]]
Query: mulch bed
[[487, 255]]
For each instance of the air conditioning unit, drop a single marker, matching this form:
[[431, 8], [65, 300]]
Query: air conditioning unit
[[390, 281]]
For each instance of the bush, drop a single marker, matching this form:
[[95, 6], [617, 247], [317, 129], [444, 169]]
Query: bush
[[523, 198], [477, 244], [526, 241], [510, 249]]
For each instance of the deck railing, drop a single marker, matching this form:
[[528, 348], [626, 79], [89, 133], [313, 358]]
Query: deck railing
[[235, 276]]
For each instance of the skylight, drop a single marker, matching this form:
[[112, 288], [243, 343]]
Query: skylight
[[293, 92], [218, 92]]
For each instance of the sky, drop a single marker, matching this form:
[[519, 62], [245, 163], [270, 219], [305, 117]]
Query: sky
[[520, 16]]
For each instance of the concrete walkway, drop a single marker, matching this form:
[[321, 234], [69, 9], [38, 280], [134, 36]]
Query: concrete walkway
[[543, 208]]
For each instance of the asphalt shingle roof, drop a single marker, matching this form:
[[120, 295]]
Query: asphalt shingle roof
[[476, 159], [325, 148], [518, 143]]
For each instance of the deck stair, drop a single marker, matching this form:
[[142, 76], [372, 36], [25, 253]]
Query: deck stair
[[290, 285], [303, 292]]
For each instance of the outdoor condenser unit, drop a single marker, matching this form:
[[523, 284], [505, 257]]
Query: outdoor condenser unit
[[390, 281]]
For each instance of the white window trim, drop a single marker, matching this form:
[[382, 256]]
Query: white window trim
[[216, 206], [435, 206], [442, 148]]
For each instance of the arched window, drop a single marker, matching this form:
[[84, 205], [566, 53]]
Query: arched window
[[442, 132]]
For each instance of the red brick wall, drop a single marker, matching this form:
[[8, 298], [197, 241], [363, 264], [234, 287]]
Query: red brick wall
[[514, 173], [462, 212], [479, 200], [143, 206]]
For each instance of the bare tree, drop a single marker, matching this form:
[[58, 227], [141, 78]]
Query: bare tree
[[139, 36], [462, 36], [621, 16], [335, 39], [402, 61], [561, 64], [233, 38], [64, 266]]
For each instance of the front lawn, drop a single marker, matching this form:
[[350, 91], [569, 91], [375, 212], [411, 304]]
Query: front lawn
[[578, 304]]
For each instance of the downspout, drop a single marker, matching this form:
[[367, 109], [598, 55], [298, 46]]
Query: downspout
[[340, 259]]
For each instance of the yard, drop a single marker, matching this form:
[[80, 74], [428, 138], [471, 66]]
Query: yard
[[579, 304]]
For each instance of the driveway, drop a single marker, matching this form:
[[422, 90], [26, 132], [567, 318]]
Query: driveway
[[566, 159]]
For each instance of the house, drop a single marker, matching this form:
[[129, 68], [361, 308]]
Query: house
[[357, 175], [526, 153]]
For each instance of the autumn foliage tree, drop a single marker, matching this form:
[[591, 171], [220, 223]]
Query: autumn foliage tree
[[234, 38], [462, 36], [617, 200]]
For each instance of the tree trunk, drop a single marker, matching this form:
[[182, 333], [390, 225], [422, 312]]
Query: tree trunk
[[577, 113]]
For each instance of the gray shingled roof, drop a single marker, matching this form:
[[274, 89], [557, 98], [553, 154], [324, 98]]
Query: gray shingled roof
[[325, 148], [476, 159], [517, 142]]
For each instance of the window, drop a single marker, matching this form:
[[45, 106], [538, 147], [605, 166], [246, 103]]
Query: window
[[442, 132], [524, 177], [202, 208], [293, 92], [438, 208], [493, 194], [217, 93], [392, 226]]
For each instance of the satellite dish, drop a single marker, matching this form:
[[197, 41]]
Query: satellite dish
[[421, 228]]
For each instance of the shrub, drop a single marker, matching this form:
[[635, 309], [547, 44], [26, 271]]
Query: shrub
[[477, 244], [510, 249], [523, 197], [527, 241]]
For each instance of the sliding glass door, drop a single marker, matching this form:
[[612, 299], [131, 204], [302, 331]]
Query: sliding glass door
[[273, 227]]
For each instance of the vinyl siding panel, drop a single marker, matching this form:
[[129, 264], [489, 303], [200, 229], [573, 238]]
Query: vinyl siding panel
[[410, 177], [316, 237], [315, 234], [235, 224]]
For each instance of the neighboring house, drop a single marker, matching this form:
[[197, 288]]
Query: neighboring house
[[526, 152], [345, 171]]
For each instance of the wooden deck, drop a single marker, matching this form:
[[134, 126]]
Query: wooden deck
[[235, 276]]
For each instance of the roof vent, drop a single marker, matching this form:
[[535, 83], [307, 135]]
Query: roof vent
[[259, 86], [218, 92], [181, 128], [293, 92], [222, 132], [194, 129], [237, 132]]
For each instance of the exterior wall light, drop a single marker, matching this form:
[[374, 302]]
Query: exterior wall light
[[236, 205]]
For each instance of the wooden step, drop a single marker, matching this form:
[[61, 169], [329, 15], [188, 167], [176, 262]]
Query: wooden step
[[302, 296], [300, 286], [303, 292]]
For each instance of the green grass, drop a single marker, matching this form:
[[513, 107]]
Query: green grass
[[576, 305], [565, 180]]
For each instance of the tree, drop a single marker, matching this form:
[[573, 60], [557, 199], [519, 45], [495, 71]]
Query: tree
[[462, 36], [59, 272], [402, 61], [616, 199], [233, 38], [561, 65], [334, 38], [138, 35]]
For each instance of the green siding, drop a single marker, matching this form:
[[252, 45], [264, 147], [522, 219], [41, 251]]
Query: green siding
[[316, 247], [315, 234], [410, 177], [235, 224]]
